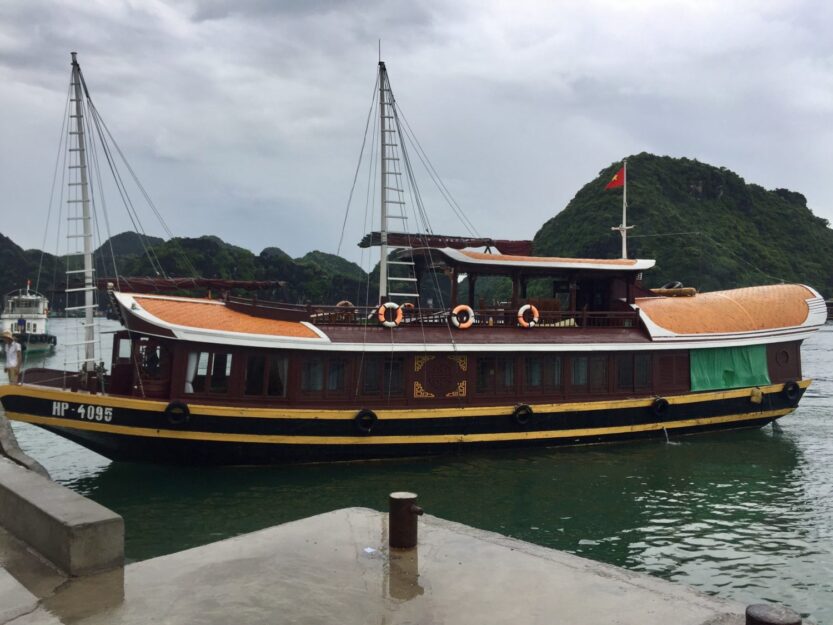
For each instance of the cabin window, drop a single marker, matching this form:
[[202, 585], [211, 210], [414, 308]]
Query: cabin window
[[220, 373], [495, 374], [255, 374], [124, 350], [624, 372], [543, 372], [642, 371], [579, 371], [35, 328], [534, 379], [382, 375], [277, 376], [633, 372], [207, 371], [336, 375], [598, 374], [312, 375]]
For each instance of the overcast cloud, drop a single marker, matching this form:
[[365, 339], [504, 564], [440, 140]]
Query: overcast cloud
[[244, 118]]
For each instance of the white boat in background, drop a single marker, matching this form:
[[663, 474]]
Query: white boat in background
[[25, 314]]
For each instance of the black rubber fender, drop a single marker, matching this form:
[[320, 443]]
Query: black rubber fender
[[365, 420], [177, 413], [791, 390], [522, 415], [660, 407]]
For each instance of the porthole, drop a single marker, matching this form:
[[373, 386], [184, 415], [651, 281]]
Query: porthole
[[782, 357]]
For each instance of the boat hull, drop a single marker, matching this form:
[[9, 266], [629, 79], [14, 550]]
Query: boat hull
[[127, 429]]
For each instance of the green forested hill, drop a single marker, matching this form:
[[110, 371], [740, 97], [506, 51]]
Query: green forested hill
[[704, 225]]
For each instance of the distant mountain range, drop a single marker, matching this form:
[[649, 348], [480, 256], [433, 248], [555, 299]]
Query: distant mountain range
[[704, 225]]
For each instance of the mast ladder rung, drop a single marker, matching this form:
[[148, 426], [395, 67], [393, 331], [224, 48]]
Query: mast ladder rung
[[78, 167], [393, 173], [390, 145], [76, 201], [404, 217], [80, 288], [390, 158], [387, 116], [394, 202], [77, 150], [75, 132], [77, 218], [81, 307], [402, 279], [401, 262], [389, 130], [76, 116], [79, 236], [405, 295], [80, 343], [80, 270], [75, 184], [394, 189]]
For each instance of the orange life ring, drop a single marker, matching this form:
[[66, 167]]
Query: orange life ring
[[382, 314], [527, 308], [462, 316]]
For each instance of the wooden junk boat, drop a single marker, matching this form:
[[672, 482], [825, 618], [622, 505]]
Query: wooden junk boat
[[596, 358]]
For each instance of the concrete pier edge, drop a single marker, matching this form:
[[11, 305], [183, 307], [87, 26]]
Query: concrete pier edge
[[11, 450], [76, 534]]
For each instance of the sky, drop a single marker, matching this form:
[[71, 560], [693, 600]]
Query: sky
[[245, 118]]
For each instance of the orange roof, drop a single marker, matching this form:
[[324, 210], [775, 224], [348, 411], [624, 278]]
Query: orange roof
[[211, 315], [506, 258], [738, 310]]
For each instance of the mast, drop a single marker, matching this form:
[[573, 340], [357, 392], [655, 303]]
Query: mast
[[383, 178], [87, 236]]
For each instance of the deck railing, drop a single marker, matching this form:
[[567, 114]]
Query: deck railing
[[497, 317], [350, 315]]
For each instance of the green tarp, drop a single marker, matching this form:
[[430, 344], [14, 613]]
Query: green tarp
[[720, 368]]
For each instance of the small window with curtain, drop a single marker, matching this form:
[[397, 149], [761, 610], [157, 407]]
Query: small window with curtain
[[276, 376], [642, 372], [255, 374], [312, 375], [598, 374], [534, 378], [220, 373], [624, 372], [336, 375], [578, 372]]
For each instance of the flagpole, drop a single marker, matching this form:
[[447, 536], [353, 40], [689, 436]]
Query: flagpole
[[625, 210]]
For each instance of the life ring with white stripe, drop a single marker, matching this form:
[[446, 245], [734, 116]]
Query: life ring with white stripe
[[462, 316], [389, 314], [528, 316]]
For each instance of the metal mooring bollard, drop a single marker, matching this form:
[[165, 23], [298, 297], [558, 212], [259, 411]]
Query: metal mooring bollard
[[771, 614], [402, 520]]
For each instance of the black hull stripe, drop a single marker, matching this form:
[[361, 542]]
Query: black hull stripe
[[194, 452], [383, 440]]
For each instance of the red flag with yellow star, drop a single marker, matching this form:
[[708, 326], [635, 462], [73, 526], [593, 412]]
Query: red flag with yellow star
[[617, 181]]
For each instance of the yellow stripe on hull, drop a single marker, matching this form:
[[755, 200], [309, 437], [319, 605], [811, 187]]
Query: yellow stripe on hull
[[116, 401]]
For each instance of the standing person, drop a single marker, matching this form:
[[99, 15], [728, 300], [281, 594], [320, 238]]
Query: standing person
[[12, 349]]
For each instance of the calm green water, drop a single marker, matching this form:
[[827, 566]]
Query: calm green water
[[743, 515]]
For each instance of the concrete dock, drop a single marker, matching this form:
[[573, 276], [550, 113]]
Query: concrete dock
[[337, 568]]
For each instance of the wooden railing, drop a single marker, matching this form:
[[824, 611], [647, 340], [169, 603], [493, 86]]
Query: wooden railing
[[368, 315], [503, 318]]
